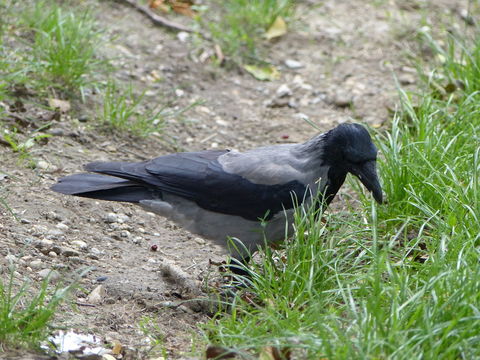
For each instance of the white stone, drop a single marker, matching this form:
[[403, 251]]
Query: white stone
[[62, 226], [283, 91], [111, 218], [36, 264], [293, 64], [183, 36], [79, 244]]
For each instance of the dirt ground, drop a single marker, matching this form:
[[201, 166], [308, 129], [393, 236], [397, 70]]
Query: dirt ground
[[348, 52]]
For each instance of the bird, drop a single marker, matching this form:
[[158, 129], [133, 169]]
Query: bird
[[248, 196]]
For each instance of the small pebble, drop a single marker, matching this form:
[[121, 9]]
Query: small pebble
[[62, 226], [52, 215], [46, 243], [79, 244], [101, 278], [52, 274], [111, 218], [221, 122], [69, 252], [42, 164], [122, 218], [183, 36], [293, 64], [36, 264], [283, 90], [97, 295], [76, 260], [342, 100], [56, 249], [199, 241], [52, 254], [95, 251], [25, 221], [54, 233], [83, 118], [406, 79], [11, 258], [56, 132]]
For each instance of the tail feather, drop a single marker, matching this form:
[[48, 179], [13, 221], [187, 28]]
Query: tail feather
[[103, 187]]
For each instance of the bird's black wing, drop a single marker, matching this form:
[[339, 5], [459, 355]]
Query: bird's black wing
[[199, 177]]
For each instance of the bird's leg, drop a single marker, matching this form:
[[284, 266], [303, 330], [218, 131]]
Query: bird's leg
[[238, 266]]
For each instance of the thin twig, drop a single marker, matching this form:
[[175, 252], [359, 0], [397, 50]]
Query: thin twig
[[85, 304], [160, 20]]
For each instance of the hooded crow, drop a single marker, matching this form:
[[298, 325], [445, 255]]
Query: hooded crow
[[248, 196]]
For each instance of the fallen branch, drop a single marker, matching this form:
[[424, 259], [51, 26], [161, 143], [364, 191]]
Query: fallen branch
[[159, 20]]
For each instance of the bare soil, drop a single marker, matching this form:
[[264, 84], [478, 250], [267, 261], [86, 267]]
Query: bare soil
[[349, 52]]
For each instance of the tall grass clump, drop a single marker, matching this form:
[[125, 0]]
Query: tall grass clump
[[125, 111], [26, 314], [63, 45], [396, 281], [241, 25], [122, 111]]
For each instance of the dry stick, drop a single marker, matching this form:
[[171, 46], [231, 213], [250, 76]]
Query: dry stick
[[160, 20]]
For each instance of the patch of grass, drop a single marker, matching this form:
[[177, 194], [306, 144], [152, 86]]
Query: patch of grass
[[64, 44], [25, 315], [51, 47], [124, 111], [21, 147], [156, 337], [241, 25], [397, 281]]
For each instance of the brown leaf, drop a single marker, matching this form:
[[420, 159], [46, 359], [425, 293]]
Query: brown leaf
[[117, 348], [218, 352], [158, 5], [183, 8]]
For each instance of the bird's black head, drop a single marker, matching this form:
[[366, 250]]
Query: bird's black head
[[349, 148]]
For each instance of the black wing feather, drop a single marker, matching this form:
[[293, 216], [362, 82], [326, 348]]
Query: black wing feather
[[199, 177]]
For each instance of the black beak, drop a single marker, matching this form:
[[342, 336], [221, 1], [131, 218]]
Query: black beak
[[367, 174]]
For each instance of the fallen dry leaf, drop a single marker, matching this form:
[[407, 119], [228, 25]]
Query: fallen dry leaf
[[264, 73], [158, 5], [117, 348], [183, 8], [62, 105], [277, 29]]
